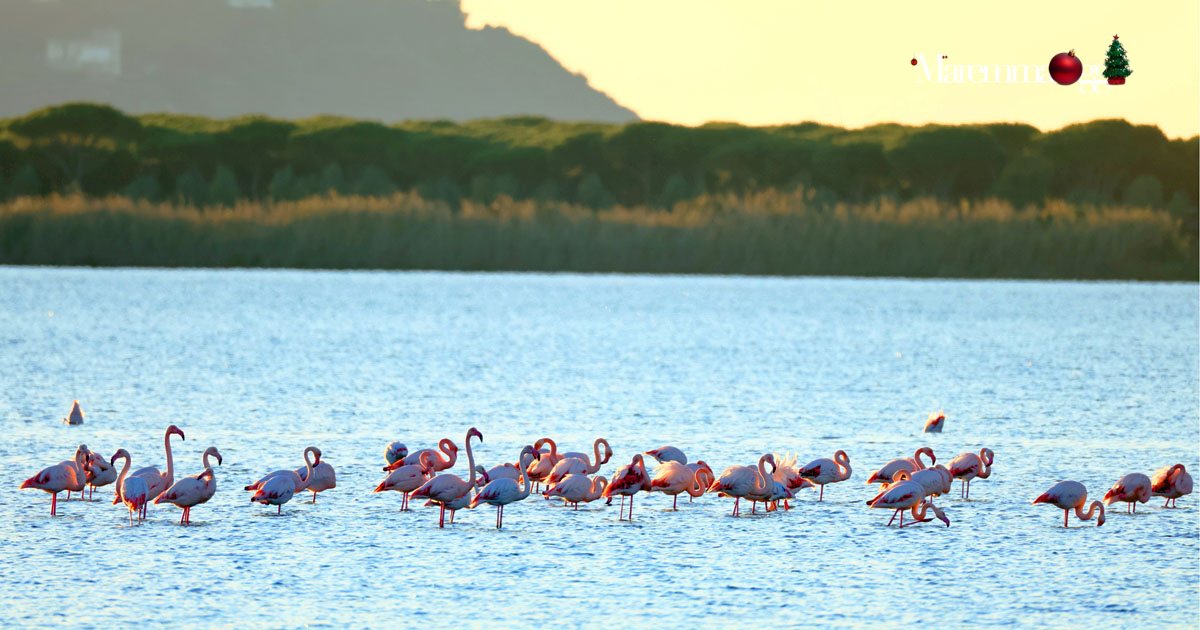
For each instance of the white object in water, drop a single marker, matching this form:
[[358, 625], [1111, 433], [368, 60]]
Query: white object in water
[[76, 415]]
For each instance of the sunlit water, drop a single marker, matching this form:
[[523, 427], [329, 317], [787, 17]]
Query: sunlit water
[[1063, 380]]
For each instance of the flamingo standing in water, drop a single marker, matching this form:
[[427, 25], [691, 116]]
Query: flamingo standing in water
[[1071, 495], [628, 481], [673, 479], [506, 470], [968, 466], [79, 474], [935, 422], [323, 478], [540, 469], [741, 482], [825, 471], [407, 478], [445, 446], [1171, 483], [668, 453], [446, 489], [395, 452], [1132, 489], [503, 491], [905, 494], [134, 492], [936, 480], [191, 491], [577, 463], [907, 464], [278, 487], [578, 488], [156, 482], [772, 491], [55, 479], [787, 474], [99, 473]]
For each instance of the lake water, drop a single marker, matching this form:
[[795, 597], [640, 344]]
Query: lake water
[[1086, 381]]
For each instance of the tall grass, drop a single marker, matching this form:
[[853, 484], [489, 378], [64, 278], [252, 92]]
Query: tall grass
[[764, 233]]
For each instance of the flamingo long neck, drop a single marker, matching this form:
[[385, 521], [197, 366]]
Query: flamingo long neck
[[985, 465], [594, 465], [170, 474], [920, 465], [470, 463], [599, 484], [124, 473], [762, 475], [701, 481], [843, 464], [919, 510], [641, 463], [451, 454], [1087, 516], [526, 460], [204, 460], [308, 470]]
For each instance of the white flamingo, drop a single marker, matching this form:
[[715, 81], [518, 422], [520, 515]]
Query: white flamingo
[[134, 492], [580, 463], [936, 480], [446, 488], [673, 479], [905, 494], [323, 478], [297, 478], [278, 488], [740, 482], [504, 491], [191, 491], [156, 482]]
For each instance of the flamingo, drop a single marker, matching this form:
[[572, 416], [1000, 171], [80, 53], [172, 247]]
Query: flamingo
[[906, 494], [452, 506], [439, 463], [55, 479], [132, 491], [1068, 495], [936, 480], [407, 478], [78, 466], [540, 469], [628, 481], [500, 471], [503, 491], [99, 473], [323, 478], [825, 471], [742, 481], [935, 422], [156, 482], [194, 490], [698, 465], [1171, 483], [787, 474], [968, 466], [1132, 488], [578, 488], [665, 454], [772, 491], [673, 479], [278, 487], [395, 452], [76, 415], [907, 464], [575, 463], [445, 488]]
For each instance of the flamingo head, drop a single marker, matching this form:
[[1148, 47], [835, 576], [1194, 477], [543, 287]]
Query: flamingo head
[[212, 450], [174, 430], [988, 456], [937, 511], [608, 452], [1100, 519], [474, 432], [316, 455], [703, 465], [928, 451], [118, 455], [901, 475]]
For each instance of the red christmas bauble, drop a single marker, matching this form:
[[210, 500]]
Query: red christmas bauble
[[1065, 68]]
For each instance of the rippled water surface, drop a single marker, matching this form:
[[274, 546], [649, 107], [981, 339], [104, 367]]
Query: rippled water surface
[[1062, 380]]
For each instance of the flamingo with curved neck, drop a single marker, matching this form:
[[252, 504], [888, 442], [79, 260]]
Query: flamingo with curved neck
[[156, 482], [825, 471], [968, 466], [447, 490], [132, 491], [628, 481], [194, 490], [1071, 495], [580, 463], [503, 491], [540, 469], [446, 446], [907, 464], [278, 487]]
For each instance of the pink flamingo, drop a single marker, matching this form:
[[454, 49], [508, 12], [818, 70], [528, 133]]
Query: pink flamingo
[[446, 488], [825, 471], [1071, 495], [935, 422], [99, 473], [907, 464], [504, 491], [79, 471], [673, 479], [668, 453], [280, 486], [540, 469], [132, 491], [407, 478], [742, 481], [297, 478], [968, 466], [576, 463], [936, 480], [55, 479], [156, 482], [578, 488], [628, 481], [787, 474], [1132, 488], [191, 491], [446, 446], [323, 478], [1171, 483], [905, 494]]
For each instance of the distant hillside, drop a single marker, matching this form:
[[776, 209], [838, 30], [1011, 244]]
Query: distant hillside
[[287, 58]]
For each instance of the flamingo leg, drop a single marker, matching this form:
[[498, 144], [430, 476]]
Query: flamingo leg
[[1065, 515], [53, 504], [736, 501], [822, 497], [442, 517], [968, 488], [631, 507], [893, 517], [279, 509], [675, 504], [314, 497]]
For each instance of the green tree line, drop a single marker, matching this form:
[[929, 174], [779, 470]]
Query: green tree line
[[97, 151]]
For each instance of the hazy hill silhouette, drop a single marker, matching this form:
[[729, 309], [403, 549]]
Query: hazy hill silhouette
[[287, 58]]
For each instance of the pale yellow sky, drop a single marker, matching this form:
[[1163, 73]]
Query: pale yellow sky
[[848, 63]]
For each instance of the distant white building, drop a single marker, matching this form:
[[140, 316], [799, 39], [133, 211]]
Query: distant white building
[[97, 53]]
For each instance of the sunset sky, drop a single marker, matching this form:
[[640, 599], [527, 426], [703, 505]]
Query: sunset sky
[[846, 63]]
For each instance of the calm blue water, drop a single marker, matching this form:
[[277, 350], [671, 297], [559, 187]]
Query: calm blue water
[[1063, 380]]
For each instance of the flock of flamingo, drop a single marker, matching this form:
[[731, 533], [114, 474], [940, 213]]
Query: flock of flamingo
[[907, 484]]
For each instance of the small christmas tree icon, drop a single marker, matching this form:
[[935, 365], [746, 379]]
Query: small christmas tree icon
[[1116, 64]]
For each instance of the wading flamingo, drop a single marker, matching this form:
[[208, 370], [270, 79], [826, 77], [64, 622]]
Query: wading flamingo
[[935, 422], [156, 482], [1171, 483], [578, 488], [278, 487], [576, 463], [673, 479], [191, 491], [323, 478], [968, 466], [540, 469], [99, 473], [664, 454], [825, 471], [132, 491], [407, 478], [445, 488], [936, 480], [741, 482], [628, 481], [446, 446], [55, 479], [1071, 495], [905, 494], [500, 471], [503, 491], [76, 415], [79, 474], [787, 474], [395, 452], [1132, 489], [772, 491], [907, 464]]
